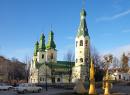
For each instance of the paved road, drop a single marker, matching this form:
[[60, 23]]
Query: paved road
[[49, 92], [115, 89]]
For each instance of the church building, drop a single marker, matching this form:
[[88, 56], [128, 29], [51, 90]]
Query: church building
[[46, 68]]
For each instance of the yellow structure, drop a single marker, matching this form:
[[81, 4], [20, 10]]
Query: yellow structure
[[92, 90], [107, 86]]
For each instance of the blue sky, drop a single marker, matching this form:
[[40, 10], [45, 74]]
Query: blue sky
[[22, 22]]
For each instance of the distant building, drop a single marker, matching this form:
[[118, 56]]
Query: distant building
[[122, 73], [119, 75], [45, 66]]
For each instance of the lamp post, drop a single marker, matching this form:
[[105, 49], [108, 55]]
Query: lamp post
[[46, 77]]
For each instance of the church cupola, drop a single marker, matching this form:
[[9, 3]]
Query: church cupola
[[36, 48], [51, 44], [82, 30], [42, 43], [51, 52]]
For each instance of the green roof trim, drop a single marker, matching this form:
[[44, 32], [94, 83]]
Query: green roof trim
[[36, 48], [42, 46], [65, 62], [59, 64], [62, 64], [51, 44], [82, 30]]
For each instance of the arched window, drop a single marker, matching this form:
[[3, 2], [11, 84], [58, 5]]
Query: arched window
[[86, 43], [40, 79], [42, 56], [51, 55], [81, 59], [58, 79], [119, 76], [81, 42]]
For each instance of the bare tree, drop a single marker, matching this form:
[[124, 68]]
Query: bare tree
[[69, 57], [27, 61], [95, 55], [98, 63], [115, 63]]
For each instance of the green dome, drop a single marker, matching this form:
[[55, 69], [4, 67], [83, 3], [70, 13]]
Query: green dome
[[42, 43], [36, 48], [51, 44]]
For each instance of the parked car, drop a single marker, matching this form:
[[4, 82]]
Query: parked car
[[27, 87], [4, 86]]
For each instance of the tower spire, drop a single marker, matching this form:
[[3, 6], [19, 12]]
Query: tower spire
[[82, 30], [83, 4], [51, 27]]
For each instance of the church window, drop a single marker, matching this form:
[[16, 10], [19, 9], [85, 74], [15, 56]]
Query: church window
[[124, 78], [40, 79], [119, 76], [81, 42], [58, 79], [51, 55], [76, 60], [76, 43], [42, 56], [81, 59], [86, 43]]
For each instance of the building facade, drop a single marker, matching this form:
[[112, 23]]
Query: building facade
[[45, 67]]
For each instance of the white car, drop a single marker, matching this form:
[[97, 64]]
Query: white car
[[4, 86], [27, 87]]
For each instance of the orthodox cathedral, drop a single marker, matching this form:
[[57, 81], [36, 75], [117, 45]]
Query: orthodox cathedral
[[45, 67]]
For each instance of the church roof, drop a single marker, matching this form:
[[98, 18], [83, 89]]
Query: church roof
[[58, 65], [62, 64]]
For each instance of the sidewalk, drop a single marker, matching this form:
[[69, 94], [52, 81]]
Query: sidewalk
[[55, 91]]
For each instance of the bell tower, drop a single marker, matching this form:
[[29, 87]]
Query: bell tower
[[82, 50]]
